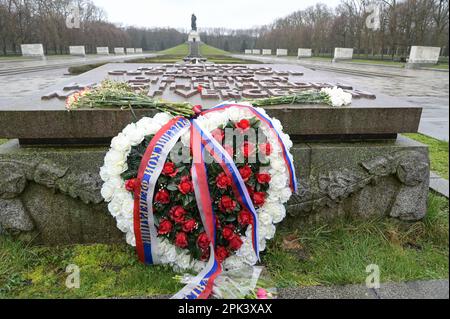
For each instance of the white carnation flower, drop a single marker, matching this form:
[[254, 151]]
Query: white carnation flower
[[134, 134], [131, 239], [264, 217], [148, 126], [110, 187], [285, 195], [124, 224], [162, 118], [277, 211], [267, 231], [114, 157], [115, 169], [338, 97], [121, 143], [279, 181]]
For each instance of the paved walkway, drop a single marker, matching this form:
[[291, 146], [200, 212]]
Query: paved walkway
[[427, 88], [435, 289]]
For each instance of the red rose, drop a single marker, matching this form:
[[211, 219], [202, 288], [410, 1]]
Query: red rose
[[265, 149], [203, 241], [229, 149], [218, 135], [243, 125], [259, 198], [170, 169], [223, 181], [177, 213], [181, 240], [236, 243], [248, 149], [200, 88], [221, 254], [198, 109], [246, 173], [228, 233], [162, 197], [190, 225], [186, 186], [245, 218], [131, 184], [263, 178], [165, 227], [227, 204]]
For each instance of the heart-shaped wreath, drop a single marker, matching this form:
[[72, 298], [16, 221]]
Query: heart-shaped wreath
[[246, 182]]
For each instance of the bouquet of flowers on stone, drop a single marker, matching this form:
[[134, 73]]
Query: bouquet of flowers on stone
[[110, 94]]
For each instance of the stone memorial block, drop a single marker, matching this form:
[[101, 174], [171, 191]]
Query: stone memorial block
[[32, 50], [256, 52], [282, 52], [424, 55], [304, 53], [266, 52], [248, 51], [139, 50], [119, 51], [348, 159], [77, 50], [102, 50], [131, 51], [343, 54]]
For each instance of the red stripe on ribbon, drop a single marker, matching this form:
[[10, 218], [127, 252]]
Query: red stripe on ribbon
[[137, 190]]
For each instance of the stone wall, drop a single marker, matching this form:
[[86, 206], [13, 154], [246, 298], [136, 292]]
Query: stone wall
[[343, 54], [139, 50], [103, 50], [53, 195], [32, 50], [77, 50], [248, 51], [266, 52], [282, 52], [304, 53], [131, 51], [256, 52], [424, 55], [120, 51]]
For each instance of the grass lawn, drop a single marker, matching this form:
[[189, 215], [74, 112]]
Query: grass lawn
[[438, 153], [209, 51], [336, 253], [179, 50], [440, 66]]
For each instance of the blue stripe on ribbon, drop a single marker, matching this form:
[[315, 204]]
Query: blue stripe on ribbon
[[239, 183]]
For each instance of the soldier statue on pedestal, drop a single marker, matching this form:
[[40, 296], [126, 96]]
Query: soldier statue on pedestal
[[194, 22]]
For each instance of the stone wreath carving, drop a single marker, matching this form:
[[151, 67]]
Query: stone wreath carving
[[410, 168], [15, 176]]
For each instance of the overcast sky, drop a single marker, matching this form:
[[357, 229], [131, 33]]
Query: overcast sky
[[234, 14]]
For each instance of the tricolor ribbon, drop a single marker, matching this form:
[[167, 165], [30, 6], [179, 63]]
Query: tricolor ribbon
[[150, 169]]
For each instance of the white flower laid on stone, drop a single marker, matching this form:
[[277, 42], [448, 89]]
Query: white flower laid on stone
[[121, 201], [338, 97]]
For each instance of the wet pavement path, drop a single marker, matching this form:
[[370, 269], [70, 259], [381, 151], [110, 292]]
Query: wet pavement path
[[426, 88]]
